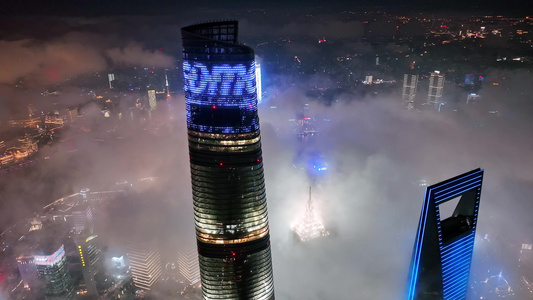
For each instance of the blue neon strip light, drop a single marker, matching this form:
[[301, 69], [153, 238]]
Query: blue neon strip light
[[458, 257], [60, 251], [457, 267], [457, 185], [436, 188], [455, 285], [457, 290], [460, 241], [447, 196], [418, 245]]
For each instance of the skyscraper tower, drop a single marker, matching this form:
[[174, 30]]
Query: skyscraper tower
[[145, 262], [152, 100], [89, 254], [52, 269], [188, 264], [226, 162], [436, 85], [409, 90], [445, 239]]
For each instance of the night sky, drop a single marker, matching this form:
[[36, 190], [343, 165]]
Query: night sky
[[169, 7]]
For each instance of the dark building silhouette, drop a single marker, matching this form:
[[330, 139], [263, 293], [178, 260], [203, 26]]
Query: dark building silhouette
[[444, 244], [230, 207]]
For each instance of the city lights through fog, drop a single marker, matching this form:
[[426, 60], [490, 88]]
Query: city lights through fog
[[366, 107]]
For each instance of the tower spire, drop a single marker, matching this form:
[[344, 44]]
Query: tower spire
[[310, 203], [166, 85]]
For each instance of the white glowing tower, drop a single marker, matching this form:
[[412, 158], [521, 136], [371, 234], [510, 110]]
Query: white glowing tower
[[436, 85], [167, 87], [111, 78], [310, 226], [409, 90], [258, 83], [152, 100], [188, 264]]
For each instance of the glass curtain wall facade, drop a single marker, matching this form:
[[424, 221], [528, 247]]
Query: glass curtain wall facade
[[230, 206], [54, 275], [444, 244]]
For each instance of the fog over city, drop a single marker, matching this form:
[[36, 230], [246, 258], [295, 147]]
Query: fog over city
[[378, 153]]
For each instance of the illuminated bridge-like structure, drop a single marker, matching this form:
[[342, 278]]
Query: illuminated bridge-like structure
[[230, 207], [444, 245]]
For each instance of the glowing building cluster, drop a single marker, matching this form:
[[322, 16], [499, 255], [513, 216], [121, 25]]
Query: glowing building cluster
[[230, 207], [444, 245], [23, 150], [310, 226]]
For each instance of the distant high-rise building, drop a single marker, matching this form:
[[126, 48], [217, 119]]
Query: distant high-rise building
[[152, 100], [82, 218], [436, 85], [111, 78], [469, 79], [409, 90], [309, 226], [368, 79], [167, 87], [72, 114], [31, 110], [89, 254], [445, 239], [28, 271], [226, 163], [145, 262], [52, 268], [188, 264]]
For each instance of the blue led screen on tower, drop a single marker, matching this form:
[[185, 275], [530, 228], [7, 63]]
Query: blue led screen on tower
[[221, 98], [220, 80], [444, 244]]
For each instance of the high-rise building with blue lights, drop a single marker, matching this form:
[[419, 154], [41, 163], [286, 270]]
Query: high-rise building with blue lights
[[230, 207], [444, 244]]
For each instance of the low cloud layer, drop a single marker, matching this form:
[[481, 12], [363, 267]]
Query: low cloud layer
[[41, 63], [369, 199]]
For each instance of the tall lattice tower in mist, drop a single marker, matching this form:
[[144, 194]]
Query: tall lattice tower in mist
[[309, 226], [226, 162]]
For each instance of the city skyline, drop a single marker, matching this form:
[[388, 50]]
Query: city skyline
[[367, 158]]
